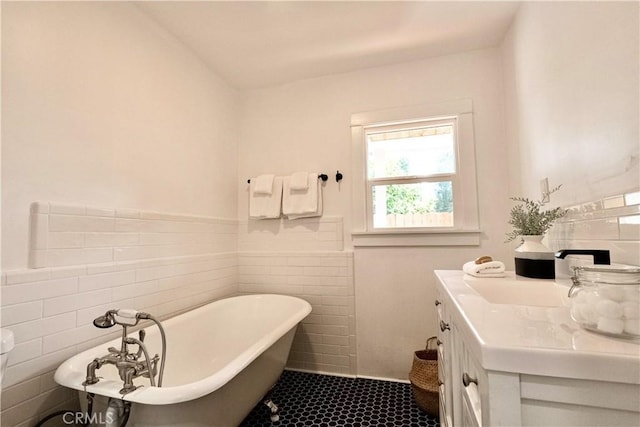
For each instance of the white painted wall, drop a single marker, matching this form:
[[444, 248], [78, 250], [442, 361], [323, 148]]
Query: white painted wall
[[103, 107], [571, 94], [305, 125]]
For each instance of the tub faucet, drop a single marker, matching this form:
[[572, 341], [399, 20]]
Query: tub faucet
[[129, 364]]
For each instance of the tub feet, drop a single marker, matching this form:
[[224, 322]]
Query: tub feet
[[273, 408]]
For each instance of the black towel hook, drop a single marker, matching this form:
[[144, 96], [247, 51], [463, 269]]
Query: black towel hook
[[339, 176]]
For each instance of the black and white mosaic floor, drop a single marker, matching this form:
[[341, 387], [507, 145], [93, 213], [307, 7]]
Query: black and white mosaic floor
[[308, 399]]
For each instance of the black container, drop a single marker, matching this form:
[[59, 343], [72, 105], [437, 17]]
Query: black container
[[536, 268], [535, 260]]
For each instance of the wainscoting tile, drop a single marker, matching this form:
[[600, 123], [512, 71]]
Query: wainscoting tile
[[18, 313], [64, 240], [630, 227], [65, 209], [34, 291], [38, 233], [15, 277], [25, 351]]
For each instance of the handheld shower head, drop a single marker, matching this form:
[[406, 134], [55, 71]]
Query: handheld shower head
[[124, 317], [105, 321]]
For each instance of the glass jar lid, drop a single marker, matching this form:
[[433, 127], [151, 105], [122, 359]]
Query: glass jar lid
[[607, 274]]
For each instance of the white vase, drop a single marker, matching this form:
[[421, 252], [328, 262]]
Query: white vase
[[533, 259]]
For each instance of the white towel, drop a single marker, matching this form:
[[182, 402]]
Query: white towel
[[299, 181], [264, 205], [264, 184], [487, 269], [318, 212], [300, 202]]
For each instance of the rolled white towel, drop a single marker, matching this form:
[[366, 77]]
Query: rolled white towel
[[486, 269]]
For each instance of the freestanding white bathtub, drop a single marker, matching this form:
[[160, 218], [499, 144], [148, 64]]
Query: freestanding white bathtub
[[222, 358]]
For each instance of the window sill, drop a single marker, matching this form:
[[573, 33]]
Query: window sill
[[412, 237]]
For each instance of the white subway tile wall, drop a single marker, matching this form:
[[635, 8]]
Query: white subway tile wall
[[52, 317], [65, 235], [612, 223], [325, 341], [85, 260], [305, 258], [308, 234]]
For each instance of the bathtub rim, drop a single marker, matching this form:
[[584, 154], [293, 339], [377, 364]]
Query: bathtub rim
[[68, 376]]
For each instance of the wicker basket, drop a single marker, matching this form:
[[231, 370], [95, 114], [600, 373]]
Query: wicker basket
[[424, 378]]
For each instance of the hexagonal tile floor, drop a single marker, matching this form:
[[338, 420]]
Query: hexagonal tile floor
[[306, 399]]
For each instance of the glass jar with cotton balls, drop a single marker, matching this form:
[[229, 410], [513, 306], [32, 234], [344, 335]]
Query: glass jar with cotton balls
[[606, 300]]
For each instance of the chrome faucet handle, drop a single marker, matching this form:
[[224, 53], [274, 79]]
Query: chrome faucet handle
[[136, 355], [153, 366], [141, 334]]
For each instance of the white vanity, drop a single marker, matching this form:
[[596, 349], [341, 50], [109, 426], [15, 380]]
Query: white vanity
[[510, 355]]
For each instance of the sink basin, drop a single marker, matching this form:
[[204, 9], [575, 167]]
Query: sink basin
[[540, 293]]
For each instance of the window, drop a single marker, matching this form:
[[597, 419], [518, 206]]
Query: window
[[411, 174], [415, 176]]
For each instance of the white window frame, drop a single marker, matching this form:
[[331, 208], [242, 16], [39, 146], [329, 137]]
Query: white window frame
[[451, 176], [466, 226]]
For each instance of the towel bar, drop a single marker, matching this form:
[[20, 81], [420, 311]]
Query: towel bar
[[324, 177]]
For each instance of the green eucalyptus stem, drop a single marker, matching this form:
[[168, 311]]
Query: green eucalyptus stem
[[528, 218]]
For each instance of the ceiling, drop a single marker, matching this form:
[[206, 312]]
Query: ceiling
[[255, 44]]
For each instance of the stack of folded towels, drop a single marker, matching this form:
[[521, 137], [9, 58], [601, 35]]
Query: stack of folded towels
[[301, 195], [265, 197], [484, 266], [296, 196]]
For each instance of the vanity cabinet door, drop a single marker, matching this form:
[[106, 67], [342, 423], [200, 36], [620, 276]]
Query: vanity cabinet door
[[467, 379], [471, 408]]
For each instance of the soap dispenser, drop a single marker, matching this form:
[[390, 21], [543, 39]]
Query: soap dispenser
[[6, 345]]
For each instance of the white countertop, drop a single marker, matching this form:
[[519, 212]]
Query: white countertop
[[534, 339]]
